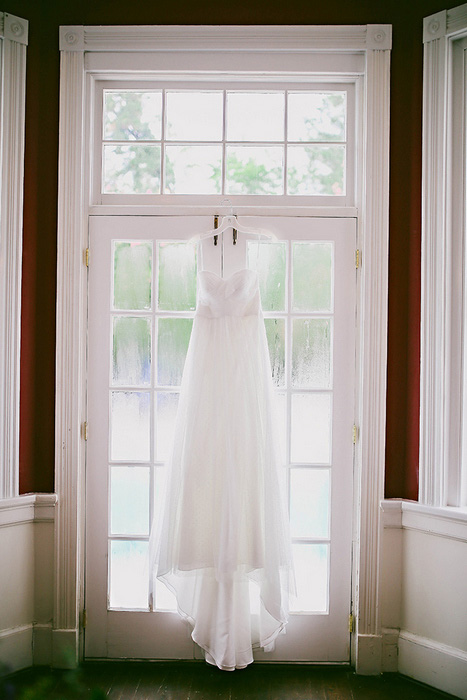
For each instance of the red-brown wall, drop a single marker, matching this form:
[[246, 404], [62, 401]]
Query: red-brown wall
[[40, 205]]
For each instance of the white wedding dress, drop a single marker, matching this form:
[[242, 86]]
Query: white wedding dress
[[222, 544]]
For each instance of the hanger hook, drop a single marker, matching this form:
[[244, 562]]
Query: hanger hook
[[226, 199]]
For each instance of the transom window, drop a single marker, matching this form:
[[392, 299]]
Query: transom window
[[171, 142]]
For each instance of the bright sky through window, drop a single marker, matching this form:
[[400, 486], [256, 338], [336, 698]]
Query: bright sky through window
[[214, 142]]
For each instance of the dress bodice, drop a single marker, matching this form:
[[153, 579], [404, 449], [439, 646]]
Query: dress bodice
[[237, 295]]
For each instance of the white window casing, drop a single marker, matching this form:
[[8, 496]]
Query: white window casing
[[443, 392], [13, 45], [358, 54]]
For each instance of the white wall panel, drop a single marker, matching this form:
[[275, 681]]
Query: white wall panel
[[434, 575], [424, 606], [17, 575], [26, 580]]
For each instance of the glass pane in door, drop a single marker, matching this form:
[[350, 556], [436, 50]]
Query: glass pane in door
[[176, 276], [311, 353], [131, 351], [311, 563], [311, 428], [129, 500], [132, 268], [130, 426], [128, 574], [312, 276]]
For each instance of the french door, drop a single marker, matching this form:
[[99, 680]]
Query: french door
[[142, 298]]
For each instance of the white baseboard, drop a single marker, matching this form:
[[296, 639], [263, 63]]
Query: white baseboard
[[25, 646], [42, 645], [65, 648], [435, 664], [16, 648]]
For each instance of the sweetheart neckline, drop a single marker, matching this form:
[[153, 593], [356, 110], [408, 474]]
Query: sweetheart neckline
[[226, 279]]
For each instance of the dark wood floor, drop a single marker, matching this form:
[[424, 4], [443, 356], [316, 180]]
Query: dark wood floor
[[198, 681]]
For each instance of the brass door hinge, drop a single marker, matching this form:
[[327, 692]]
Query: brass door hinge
[[354, 434], [351, 626], [86, 257], [85, 619], [357, 258], [85, 430]]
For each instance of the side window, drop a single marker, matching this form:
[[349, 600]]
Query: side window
[[13, 42], [443, 420]]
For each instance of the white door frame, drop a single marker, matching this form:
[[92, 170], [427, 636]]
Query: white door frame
[[131, 632], [322, 48]]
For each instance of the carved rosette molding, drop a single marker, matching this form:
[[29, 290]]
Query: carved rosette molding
[[13, 28], [440, 30], [71, 38], [434, 27], [12, 100], [71, 332], [373, 357], [450, 23], [375, 40], [379, 37]]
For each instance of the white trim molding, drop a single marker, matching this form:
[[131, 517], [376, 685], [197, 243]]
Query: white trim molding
[[283, 39], [410, 515], [33, 507], [70, 354], [433, 312], [13, 41], [16, 647], [98, 53], [374, 223], [442, 254], [433, 663]]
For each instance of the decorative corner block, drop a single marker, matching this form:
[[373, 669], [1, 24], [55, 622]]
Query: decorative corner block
[[72, 38], [15, 29], [434, 26], [379, 37]]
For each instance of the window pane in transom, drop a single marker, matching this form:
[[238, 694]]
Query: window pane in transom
[[132, 169], [253, 116], [316, 116], [316, 170], [194, 116], [132, 115], [193, 169], [254, 170]]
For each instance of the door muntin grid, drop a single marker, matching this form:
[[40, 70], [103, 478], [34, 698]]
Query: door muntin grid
[[299, 327]]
